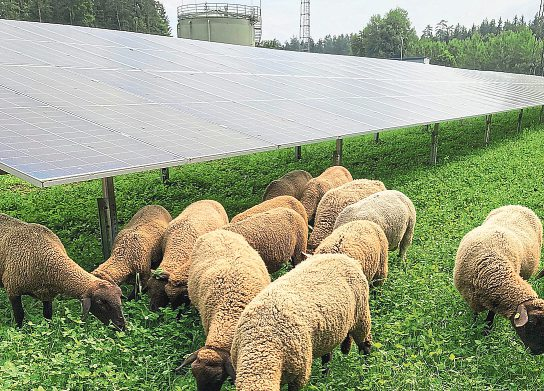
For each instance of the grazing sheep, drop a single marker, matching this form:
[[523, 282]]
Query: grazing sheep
[[276, 202], [317, 187], [492, 265], [292, 184], [225, 275], [168, 284], [302, 315], [33, 262], [364, 241], [136, 248], [278, 235], [334, 201], [392, 211]]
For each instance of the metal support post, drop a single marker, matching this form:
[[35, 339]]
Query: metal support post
[[298, 152], [165, 175], [107, 212], [434, 144], [520, 120], [377, 137], [337, 157], [3, 172], [488, 120], [541, 115]]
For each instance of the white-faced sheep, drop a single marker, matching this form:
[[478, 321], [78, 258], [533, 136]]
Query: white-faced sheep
[[33, 262], [225, 275], [492, 265], [364, 241], [317, 187], [276, 202], [300, 316], [168, 283], [392, 211], [334, 201], [292, 184], [278, 235], [136, 248]]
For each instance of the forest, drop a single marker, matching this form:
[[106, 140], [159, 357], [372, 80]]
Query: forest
[[143, 16], [499, 45]]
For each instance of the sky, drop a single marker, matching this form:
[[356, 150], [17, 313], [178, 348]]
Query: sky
[[281, 17]]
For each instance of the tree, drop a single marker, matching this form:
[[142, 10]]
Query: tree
[[386, 37], [428, 32], [443, 32]]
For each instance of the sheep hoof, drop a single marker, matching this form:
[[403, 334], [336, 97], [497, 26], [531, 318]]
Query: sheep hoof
[[366, 348]]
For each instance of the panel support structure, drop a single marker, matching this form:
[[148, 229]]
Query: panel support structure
[[337, 157], [520, 120], [165, 175], [488, 120], [107, 212], [298, 152], [377, 137], [541, 115], [434, 144], [3, 172]]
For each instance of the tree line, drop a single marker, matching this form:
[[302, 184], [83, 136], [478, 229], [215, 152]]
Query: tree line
[[144, 16], [499, 45]]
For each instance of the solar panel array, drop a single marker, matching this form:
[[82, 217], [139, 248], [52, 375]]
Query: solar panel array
[[79, 103]]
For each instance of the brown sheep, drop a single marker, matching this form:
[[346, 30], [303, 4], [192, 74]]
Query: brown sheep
[[317, 187], [278, 235], [492, 266], [292, 184], [364, 241], [225, 274], [168, 283], [33, 262], [277, 202], [302, 315], [136, 248]]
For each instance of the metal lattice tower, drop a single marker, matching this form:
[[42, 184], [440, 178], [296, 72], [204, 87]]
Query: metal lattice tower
[[305, 25]]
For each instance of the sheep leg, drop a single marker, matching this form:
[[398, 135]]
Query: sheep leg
[[18, 311], [325, 360], [345, 347], [406, 240], [48, 310], [489, 323]]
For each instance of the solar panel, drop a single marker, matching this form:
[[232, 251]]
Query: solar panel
[[79, 103]]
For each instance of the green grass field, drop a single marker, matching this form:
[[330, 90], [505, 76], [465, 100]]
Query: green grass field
[[424, 335]]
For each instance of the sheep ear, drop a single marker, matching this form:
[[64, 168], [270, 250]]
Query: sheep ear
[[521, 318], [187, 361], [86, 306], [230, 369]]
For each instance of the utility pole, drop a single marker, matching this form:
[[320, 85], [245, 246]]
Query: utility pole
[[305, 25], [539, 39]]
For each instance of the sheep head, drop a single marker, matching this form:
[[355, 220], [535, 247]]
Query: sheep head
[[528, 321], [177, 291], [210, 367], [103, 300], [156, 289]]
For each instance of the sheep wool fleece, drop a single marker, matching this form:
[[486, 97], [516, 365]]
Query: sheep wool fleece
[[292, 184], [302, 315], [334, 201], [364, 241], [137, 246], [276, 202], [392, 211], [278, 235], [495, 259], [317, 187], [225, 275]]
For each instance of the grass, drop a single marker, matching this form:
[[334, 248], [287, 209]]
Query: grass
[[423, 331]]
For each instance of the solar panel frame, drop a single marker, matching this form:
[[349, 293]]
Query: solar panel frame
[[79, 103]]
